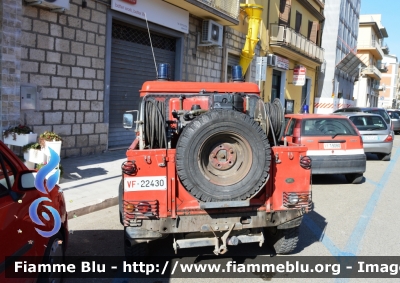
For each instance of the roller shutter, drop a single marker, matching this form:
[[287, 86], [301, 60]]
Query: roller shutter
[[131, 65]]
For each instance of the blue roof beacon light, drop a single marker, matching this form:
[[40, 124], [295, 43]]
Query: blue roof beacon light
[[164, 72], [237, 75]]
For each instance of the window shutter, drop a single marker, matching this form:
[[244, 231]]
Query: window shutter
[[314, 32], [284, 8]]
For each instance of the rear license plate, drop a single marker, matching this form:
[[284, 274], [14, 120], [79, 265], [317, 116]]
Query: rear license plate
[[332, 146], [145, 183], [370, 138]]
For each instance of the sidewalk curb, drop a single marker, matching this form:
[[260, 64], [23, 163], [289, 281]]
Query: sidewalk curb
[[92, 208]]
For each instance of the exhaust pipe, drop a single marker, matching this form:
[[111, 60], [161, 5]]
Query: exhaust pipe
[[254, 13]]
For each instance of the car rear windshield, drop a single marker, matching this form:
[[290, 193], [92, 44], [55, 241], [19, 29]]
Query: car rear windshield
[[369, 123], [327, 127], [394, 115], [381, 112]]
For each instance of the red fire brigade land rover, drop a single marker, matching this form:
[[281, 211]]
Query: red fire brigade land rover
[[204, 168]]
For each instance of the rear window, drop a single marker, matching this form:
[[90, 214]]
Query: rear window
[[394, 115], [369, 123], [381, 112], [339, 110], [327, 127]]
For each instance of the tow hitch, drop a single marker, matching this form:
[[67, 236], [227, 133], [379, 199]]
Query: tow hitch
[[227, 240]]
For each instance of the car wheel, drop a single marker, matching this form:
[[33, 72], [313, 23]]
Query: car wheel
[[223, 155], [134, 249], [384, 157], [54, 254], [355, 178], [284, 241]]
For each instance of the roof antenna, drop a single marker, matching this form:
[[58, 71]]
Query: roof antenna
[[151, 44]]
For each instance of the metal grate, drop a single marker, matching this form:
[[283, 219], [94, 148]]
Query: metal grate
[[150, 208], [136, 35], [305, 200]]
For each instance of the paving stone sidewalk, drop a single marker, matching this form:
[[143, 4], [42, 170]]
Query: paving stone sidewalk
[[90, 183]]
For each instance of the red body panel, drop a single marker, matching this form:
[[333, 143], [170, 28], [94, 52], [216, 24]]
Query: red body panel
[[16, 226], [312, 142], [286, 175], [175, 87]]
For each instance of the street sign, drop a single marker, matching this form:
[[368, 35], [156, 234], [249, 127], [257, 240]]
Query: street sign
[[299, 75], [261, 68]]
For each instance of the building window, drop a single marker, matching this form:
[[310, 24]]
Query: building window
[[298, 21]]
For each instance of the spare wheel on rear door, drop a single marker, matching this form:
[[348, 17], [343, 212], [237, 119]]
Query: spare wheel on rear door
[[223, 155]]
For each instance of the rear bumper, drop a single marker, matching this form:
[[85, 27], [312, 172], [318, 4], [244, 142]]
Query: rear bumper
[[382, 147], [338, 164], [153, 229]]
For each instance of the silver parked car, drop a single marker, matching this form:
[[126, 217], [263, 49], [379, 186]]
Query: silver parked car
[[376, 133], [395, 117]]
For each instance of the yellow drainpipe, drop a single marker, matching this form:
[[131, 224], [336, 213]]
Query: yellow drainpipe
[[254, 14]]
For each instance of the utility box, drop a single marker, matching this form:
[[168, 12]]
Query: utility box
[[28, 97]]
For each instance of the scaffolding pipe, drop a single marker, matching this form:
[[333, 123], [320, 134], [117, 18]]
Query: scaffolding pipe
[[253, 12]]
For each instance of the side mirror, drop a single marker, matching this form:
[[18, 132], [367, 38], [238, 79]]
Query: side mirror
[[28, 180], [128, 121]]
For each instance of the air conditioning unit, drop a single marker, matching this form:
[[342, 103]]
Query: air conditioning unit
[[271, 61], [211, 33], [53, 5]]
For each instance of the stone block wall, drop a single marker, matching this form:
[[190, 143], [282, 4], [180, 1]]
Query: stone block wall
[[64, 55], [10, 67], [206, 63]]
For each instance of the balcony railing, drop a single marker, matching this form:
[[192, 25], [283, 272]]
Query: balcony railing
[[381, 66], [229, 8], [288, 37], [379, 87], [371, 45], [372, 71]]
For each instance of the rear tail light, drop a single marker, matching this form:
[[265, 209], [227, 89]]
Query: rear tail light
[[135, 210], [389, 138], [297, 200], [391, 126], [144, 207], [129, 208], [305, 162]]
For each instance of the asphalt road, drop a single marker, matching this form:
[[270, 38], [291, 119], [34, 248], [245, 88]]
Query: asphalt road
[[347, 219]]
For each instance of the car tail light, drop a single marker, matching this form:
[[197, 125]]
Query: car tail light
[[305, 162], [144, 207], [297, 200], [129, 207], [389, 138], [135, 210], [391, 126]]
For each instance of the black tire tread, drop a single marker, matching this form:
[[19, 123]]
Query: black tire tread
[[286, 240], [384, 157], [186, 138], [141, 249], [354, 178]]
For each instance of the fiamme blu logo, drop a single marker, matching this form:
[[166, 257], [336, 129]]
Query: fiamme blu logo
[[46, 189]]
